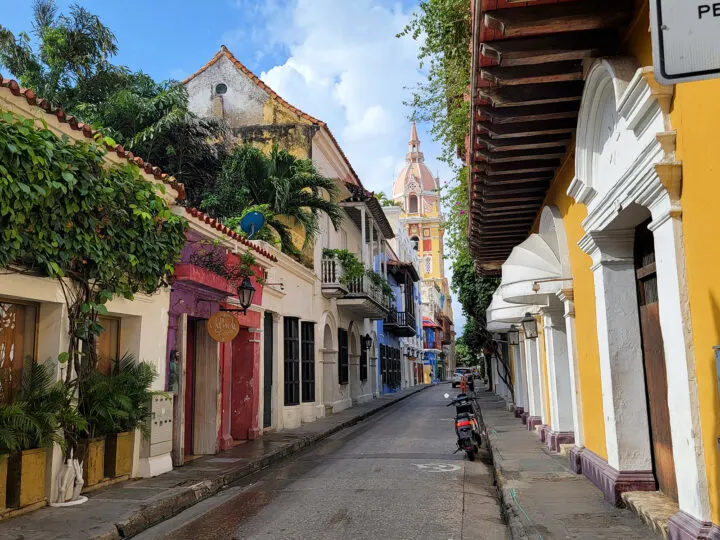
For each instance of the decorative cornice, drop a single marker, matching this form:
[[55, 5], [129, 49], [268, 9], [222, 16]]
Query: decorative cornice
[[580, 191]]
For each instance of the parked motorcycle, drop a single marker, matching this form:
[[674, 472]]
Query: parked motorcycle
[[467, 427]]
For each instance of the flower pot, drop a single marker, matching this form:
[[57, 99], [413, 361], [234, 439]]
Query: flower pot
[[26, 477], [93, 456], [3, 480], [119, 454]]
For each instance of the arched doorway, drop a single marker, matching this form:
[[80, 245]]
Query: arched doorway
[[329, 367]]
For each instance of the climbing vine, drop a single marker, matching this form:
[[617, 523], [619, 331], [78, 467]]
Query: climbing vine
[[102, 231]]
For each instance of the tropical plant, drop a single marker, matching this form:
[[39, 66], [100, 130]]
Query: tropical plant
[[41, 414], [210, 256], [292, 189], [72, 69], [265, 233], [120, 401], [353, 269], [379, 281], [100, 230], [385, 201]]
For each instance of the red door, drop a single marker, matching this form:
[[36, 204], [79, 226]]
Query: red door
[[654, 362], [189, 387]]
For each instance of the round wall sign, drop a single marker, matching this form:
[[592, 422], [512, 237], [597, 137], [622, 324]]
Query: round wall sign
[[223, 326]]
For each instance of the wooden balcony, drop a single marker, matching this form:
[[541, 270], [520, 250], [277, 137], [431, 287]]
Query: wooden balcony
[[400, 323], [359, 297]]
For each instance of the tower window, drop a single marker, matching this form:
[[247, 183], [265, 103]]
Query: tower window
[[413, 203], [415, 242], [221, 88]]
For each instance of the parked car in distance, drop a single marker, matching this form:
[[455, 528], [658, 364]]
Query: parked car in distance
[[457, 376]]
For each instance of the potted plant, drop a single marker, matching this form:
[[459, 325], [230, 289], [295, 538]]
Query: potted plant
[[353, 269], [31, 424], [131, 383]]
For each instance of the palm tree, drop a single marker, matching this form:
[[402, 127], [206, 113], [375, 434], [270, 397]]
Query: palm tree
[[291, 189]]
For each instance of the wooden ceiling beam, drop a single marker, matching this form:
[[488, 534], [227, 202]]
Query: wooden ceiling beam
[[520, 155], [541, 74], [532, 94], [528, 113], [524, 143], [559, 18], [551, 48], [528, 129], [518, 167]]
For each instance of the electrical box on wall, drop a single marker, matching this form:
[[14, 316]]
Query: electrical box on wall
[[160, 426]]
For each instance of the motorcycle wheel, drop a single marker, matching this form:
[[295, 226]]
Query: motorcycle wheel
[[470, 454]]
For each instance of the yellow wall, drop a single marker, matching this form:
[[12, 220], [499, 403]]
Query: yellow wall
[[695, 116], [585, 324]]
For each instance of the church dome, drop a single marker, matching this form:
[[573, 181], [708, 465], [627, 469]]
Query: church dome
[[415, 175]]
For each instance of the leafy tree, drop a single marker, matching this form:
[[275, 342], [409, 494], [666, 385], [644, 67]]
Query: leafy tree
[[102, 231], [442, 28], [72, 69], [293, 190]]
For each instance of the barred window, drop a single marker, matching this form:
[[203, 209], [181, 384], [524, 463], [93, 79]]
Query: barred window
[[307, 348], [292, 361], [343, 364]]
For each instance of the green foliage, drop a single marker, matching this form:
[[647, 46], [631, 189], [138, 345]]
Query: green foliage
[[71, 67], [294, 192], [265, 233], [353, 268], [120, 401], [41, 413], [211, 256], [385, 201], [379, 281], [101, 230], [442, 29]]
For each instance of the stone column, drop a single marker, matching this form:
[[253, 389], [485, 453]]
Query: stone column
[[567, 298], [561, 411], [627, 434], [682, 391], [532, 367]]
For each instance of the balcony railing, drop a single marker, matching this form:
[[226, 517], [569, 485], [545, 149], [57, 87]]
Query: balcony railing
[[401, 323], [331, 274], [364, 287]]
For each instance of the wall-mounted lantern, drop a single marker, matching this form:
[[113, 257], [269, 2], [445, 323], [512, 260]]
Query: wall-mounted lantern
[[245, 293], [529, 324], [513, 336]]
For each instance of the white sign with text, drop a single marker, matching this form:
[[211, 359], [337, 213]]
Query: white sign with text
[[686, 40]]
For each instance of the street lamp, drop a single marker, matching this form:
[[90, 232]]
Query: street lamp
[[529, 324], [366, 342], [513, 336], [245, 293]]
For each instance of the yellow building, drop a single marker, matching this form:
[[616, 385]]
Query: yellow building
[[418, 193], [614, 176]]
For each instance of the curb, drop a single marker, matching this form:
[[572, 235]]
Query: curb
[[149, 515], [510, 509]]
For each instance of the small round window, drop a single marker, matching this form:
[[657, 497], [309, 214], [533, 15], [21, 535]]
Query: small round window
[[221, 88]]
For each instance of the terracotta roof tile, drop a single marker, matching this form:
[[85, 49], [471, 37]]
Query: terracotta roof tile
[[224, 52], [89, 133], [214, 223]]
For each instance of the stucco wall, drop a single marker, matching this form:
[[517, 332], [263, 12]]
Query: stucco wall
[[588, 358]]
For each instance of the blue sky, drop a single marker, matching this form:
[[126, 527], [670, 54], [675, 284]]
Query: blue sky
[[338, 60]]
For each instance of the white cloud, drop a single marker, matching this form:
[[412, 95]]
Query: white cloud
[[345, 66]]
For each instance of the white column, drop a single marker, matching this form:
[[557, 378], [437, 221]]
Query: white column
[[371, 263], [533, 378], [566, 297], [362, 235], [561, 411], [519, 375], [682, 396], [627, 433]]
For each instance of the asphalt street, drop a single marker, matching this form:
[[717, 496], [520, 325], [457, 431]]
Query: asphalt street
[[394, 476]]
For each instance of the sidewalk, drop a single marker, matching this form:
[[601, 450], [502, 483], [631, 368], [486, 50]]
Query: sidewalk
[[126, 509], [541, 496]]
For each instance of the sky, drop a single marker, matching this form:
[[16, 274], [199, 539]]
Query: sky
[[338, 60]]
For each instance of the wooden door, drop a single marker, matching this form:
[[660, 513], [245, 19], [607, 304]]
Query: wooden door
[[189, 387], [268, 369], [654, 362]]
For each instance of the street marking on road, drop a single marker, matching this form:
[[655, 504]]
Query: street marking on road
[[437, 467]]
